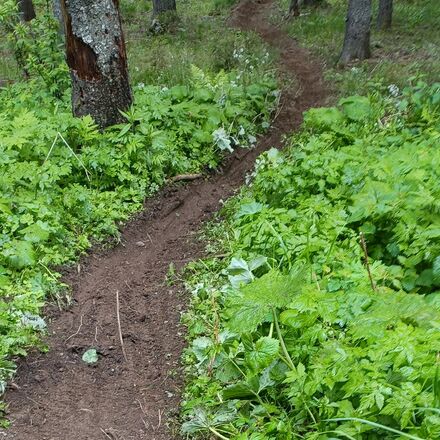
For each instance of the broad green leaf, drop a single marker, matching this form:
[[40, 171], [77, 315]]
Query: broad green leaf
[[36, 233], [90, 356], [20, 254], [257, 300], [356, 108], [323, 117], [265, 351], [257, 263], [249, 209]]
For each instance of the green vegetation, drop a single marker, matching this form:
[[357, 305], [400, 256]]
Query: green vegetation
[[65, 185], [298, 334], [164, 59], [197, 37], [410, 49]]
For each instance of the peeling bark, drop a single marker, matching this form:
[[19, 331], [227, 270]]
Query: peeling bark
[[357, 32], [385, 14], [95, 52], [26, 10], [161, 6]]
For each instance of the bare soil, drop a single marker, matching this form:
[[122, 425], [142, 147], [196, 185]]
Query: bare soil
[[56, 396]]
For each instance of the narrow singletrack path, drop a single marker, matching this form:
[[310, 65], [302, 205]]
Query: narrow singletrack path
[[55, 395]]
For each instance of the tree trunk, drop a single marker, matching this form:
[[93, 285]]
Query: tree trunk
[[357, 32], [95, 51], [294, 8], [311, 2], [385, 14], [59, 16], [26, 10], [161, 6]]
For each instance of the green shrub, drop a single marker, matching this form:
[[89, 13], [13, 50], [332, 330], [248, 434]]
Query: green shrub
[[302, 336], [64, 184]]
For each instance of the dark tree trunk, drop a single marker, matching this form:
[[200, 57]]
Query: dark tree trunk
[[385, 14], [26, 10], [95, 50], [161, 6], [294, 8], [312, 2], [357, 32]]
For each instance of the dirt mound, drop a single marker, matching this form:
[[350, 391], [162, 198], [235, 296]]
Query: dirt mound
[[58, 397]]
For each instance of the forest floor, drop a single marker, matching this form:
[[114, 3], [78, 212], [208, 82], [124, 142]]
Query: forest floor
[[57, 396]]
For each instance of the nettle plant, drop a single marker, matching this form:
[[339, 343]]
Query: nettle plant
[[326, 322], [37, 47]]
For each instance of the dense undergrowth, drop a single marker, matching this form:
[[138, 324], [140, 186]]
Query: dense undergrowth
[[324, 320], [65, 185]]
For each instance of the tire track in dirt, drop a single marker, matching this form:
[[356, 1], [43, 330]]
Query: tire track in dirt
[[56, 396]]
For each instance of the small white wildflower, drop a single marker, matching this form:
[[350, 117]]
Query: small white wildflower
[[222, 100], [252, 139], [394, 90]]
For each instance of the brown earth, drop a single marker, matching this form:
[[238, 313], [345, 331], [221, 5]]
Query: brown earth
[[56, 396]]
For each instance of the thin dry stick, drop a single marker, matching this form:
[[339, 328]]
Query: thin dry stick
[[76, 156], [160, 419], [111, 438], [79, 329], [181, 177], [119, 326], [367, 264]]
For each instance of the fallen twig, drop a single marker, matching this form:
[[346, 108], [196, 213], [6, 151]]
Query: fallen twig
[[111, 438], [121, 339], [79, 329], [181, 177]]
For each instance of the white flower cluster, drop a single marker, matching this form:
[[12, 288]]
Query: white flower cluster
[[29, 320], [222, 139], [394, 90], [250, 61], [225, 141]]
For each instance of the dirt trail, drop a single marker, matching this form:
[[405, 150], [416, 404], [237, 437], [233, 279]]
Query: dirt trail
[[58, 397]]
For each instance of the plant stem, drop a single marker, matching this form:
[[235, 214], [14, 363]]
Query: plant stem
[[280, 337], [367, 264], [271, 330], [215, 432], [375, 425]]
